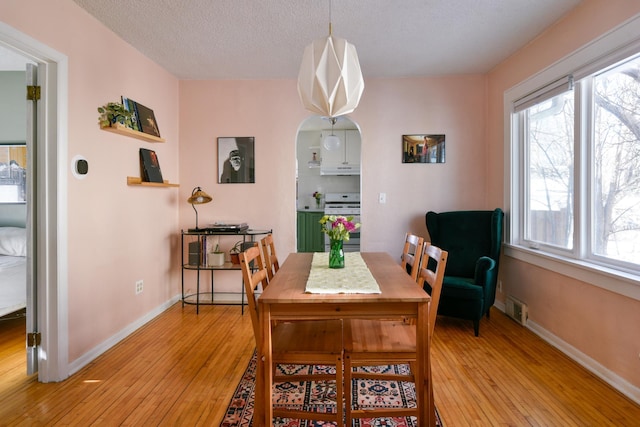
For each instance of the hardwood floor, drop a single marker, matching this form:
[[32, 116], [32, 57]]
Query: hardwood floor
[[182, 368]]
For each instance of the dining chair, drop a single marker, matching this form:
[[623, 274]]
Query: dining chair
[[410, 258], [304, 342], [270, 256], [363, 346]]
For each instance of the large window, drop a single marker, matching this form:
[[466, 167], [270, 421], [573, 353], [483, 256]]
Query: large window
[[578, 166], [549, 171], [615, 188]]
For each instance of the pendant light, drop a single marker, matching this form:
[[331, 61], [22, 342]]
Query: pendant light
[[330, 81], [331, 142]]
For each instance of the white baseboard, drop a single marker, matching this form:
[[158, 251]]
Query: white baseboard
[[92, 354], [593, 366]]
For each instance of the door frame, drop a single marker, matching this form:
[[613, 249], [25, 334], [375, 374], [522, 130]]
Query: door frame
[[50, 230]]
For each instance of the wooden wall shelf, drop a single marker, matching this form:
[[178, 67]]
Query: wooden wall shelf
[[134, 180], [123, 130]]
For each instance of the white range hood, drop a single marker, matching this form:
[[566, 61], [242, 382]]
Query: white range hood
[[339, 169]]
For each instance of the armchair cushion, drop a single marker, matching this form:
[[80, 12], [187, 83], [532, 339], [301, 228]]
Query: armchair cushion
[[462, 288]]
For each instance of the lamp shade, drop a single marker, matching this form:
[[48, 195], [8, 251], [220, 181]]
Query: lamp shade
[[199, 197], [330, 81], [331, 142]]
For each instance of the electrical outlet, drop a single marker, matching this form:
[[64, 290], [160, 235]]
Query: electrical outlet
[[500, 286], [139, 286]]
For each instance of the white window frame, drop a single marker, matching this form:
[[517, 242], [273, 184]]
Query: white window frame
[[616, 45]]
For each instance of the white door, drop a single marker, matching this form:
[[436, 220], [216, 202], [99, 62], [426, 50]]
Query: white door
[[46, 206], [32, 314]]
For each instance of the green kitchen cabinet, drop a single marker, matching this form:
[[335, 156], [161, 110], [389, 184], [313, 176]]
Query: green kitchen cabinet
[[310, 236]]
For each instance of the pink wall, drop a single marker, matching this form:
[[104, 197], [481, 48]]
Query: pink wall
[[599, 323], [452, 105], [116, 234], [271, 112]]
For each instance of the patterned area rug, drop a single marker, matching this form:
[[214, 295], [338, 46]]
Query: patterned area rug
[[321, 396]]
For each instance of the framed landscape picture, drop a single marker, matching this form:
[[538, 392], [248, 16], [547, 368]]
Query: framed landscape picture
[[13, 172], [423, 148], [236, 160]]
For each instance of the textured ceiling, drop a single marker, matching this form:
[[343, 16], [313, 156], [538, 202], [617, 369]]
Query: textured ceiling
[[264, 39]]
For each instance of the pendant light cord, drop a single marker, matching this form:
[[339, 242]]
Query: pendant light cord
[[330, 29]]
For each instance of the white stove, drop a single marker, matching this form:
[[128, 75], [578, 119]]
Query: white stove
[[344, 204]]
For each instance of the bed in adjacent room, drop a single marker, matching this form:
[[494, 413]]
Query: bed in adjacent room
[[13, 269]]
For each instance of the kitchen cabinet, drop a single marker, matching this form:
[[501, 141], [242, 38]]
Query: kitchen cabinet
[[345, 160], [310, 235]]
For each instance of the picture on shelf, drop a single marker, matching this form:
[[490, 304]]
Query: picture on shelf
[[150, 166], [147, 120], [236, 160], [423, 148], [130, 105], [143, 120]]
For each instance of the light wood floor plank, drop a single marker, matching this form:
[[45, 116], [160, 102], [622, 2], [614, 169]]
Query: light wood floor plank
[[182, 369]]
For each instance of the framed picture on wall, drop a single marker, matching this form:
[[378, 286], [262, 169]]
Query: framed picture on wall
[[423, 148], [236, 160], [13, 172]]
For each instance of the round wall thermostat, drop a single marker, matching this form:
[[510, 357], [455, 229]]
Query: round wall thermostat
[[80, 167]]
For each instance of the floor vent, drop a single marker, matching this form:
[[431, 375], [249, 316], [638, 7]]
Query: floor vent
[[517, 310]]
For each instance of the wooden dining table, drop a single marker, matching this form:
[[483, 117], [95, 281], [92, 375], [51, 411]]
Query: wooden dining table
[[285, 299]]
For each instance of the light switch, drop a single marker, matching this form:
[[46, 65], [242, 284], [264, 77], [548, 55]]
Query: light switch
[[382, 198]]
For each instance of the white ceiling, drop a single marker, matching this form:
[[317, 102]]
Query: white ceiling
[[264, 39]]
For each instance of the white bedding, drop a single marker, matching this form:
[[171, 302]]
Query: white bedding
[[13, 283]]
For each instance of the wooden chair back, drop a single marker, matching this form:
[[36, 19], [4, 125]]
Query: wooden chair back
[[252, 278], [411, 253], [315, 342], [431, 271], [270, 256]]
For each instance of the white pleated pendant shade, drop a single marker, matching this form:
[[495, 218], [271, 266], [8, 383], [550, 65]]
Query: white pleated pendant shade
[[330, 81]]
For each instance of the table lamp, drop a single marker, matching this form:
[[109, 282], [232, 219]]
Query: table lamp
[[198, 197]]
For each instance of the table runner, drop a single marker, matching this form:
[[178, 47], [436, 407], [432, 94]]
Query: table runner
[[354, 278]]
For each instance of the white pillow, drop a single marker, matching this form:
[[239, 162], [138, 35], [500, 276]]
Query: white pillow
[[13, 241]]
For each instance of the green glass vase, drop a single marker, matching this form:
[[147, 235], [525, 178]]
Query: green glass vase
[[336, 254]]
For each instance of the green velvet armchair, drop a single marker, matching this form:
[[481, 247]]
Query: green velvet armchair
[[473, 240]]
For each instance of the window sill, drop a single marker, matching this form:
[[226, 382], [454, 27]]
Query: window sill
[[620, 282]]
